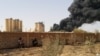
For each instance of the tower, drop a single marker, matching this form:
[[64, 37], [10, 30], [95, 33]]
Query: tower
[[39, 27], [9, 24], [13, 25]]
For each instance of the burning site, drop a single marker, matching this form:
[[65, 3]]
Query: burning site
[[81, 11], [75, 35]]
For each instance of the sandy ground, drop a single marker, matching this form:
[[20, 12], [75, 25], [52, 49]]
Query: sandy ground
[[68, 50], [33, 51]]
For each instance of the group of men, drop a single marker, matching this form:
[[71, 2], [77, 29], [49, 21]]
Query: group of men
[[21, 43]]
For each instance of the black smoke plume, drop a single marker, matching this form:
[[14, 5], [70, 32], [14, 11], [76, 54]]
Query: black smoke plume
[[81, 11]]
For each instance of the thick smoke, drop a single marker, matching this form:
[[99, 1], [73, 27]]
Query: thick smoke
[[82, 11]]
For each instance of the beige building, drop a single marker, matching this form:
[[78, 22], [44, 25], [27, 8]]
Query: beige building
[[13, 25], [39, 27]]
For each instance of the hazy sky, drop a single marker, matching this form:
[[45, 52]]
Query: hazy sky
[[31, 11], [93, 27]]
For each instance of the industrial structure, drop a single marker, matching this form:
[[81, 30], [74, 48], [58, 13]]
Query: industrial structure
[[13, 25], [39, 27], [9, 39]]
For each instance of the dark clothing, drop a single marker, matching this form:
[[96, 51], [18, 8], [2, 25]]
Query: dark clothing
[[35, 42]]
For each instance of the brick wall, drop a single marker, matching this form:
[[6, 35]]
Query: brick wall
[[10, 39]]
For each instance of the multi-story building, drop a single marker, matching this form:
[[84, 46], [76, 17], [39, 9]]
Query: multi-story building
[[39, 27], [13, 25]]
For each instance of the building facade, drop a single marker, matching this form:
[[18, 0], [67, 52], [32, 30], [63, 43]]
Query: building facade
[[39, 27], [13, 25]]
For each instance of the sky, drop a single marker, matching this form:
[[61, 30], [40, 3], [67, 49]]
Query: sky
[[93, 27], [31, 11]]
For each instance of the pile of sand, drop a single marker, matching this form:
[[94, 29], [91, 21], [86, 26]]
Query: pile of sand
[[92, 50]]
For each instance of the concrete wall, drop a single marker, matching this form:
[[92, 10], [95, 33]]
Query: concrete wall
[[10, 39]]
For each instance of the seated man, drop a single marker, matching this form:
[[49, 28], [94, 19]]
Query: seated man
[[35, 42], [20, 43]]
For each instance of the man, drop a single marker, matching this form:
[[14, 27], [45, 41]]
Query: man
[[20, 43]]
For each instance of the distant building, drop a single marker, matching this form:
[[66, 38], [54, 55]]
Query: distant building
[[39, 27], [13, 25]]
